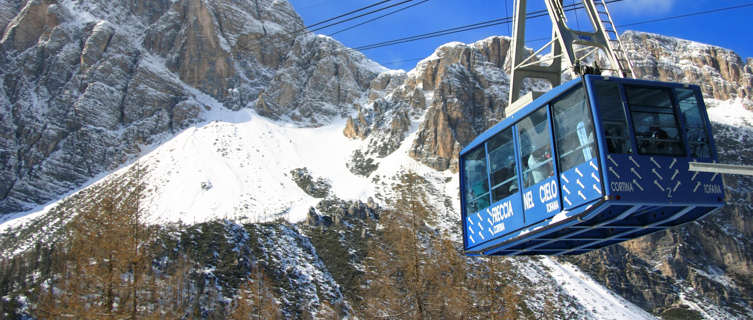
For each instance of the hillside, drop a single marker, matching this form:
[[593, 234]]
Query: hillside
[[287, 152]]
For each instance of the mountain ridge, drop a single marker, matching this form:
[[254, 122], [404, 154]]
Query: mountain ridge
[[312, 103]]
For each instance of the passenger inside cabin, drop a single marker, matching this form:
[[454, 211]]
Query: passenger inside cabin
[[535, 146], [660, 136], [616, 138], [541, 164]]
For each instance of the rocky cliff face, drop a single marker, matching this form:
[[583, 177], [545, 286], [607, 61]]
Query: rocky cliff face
[[454, 95], [466, 84], [85, 85], [721, 73]]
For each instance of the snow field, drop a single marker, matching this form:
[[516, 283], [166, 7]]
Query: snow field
[[237, 166]]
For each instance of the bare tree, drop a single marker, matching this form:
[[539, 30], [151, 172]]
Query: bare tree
[[254, 299], [104, 260]]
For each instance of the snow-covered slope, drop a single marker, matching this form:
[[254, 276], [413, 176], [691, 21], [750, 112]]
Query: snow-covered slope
[[238, 167]]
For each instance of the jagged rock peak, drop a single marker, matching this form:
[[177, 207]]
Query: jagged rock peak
[[468, 85], [319, 80]]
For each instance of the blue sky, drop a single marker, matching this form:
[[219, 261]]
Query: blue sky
[[730, 29]]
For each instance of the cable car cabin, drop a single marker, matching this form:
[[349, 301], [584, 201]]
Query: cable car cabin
[[593, 162]]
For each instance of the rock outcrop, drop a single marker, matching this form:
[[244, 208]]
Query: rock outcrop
[[320, 79], [467, 98]]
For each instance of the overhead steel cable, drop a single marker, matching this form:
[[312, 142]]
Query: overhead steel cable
[[479, 25], [688, 15], [533, 14], [376, 18], [434, 34], [361, 15], [495, 22], [342, 15]]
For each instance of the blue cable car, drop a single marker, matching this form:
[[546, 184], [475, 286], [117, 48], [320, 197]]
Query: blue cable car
[[593, 162]]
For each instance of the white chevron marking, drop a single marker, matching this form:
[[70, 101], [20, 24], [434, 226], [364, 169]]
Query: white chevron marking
[[612, 160], [658, 185], [657, 174], [614, 172], [675, 175], [636, 173], [634, 162]]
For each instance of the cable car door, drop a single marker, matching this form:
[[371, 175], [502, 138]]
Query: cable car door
[[541, 199]]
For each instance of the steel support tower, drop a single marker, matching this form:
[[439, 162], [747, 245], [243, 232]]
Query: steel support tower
[[575, 46]]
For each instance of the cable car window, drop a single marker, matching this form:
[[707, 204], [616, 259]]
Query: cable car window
[[476, 180], [502, 161], [574, 130], [654, 121], [695, 124], [612, 114], [535, 148]]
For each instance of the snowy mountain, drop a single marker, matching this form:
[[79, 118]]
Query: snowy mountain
[[286, 146]]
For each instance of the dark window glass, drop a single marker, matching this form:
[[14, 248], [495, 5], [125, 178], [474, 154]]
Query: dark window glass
[[612, 114], [535, 148], [695, 123], [656, 129], [574, 130], [502, 161], [476, 180], [650, 97]]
